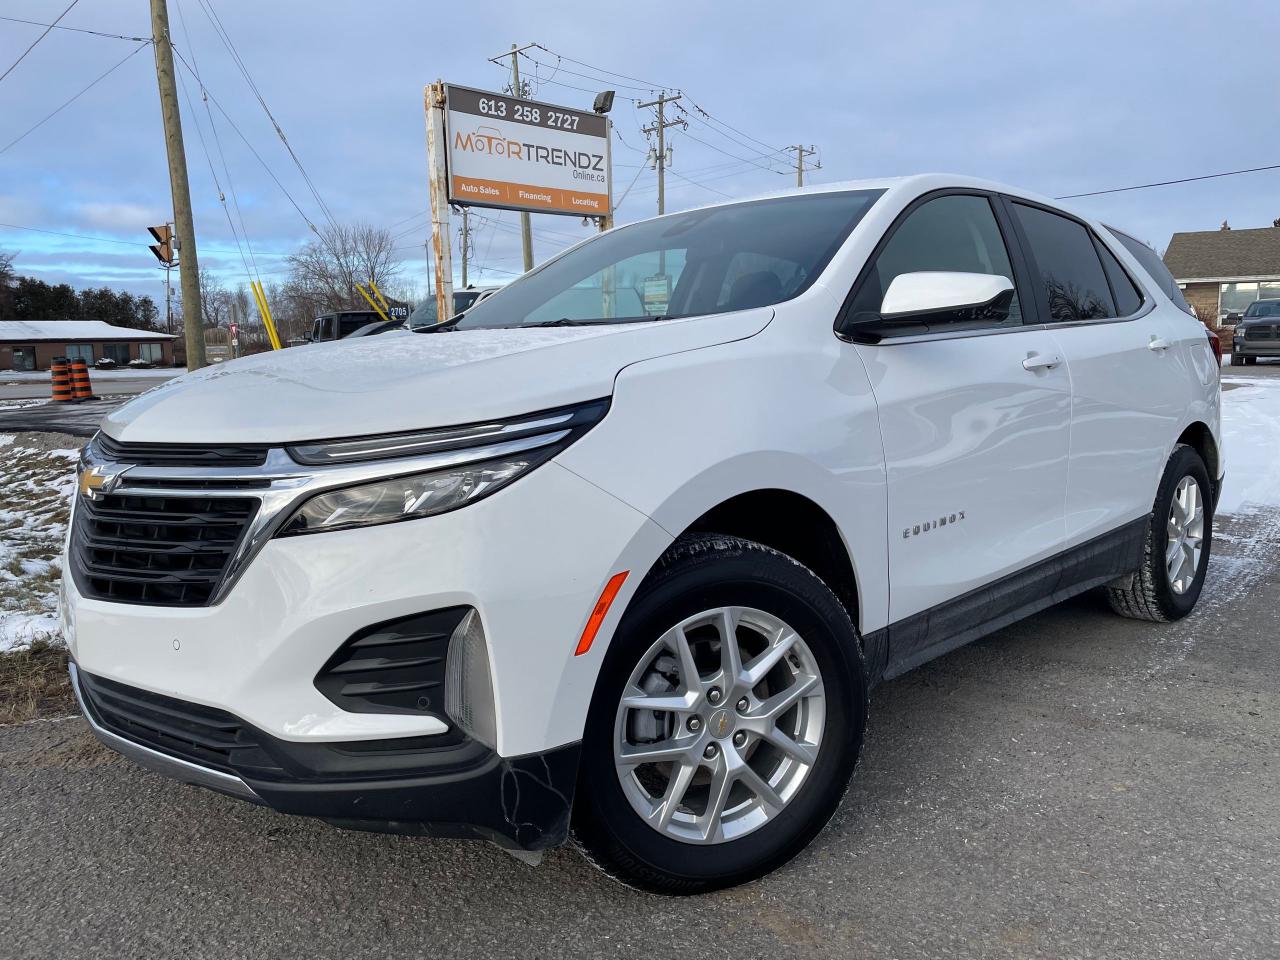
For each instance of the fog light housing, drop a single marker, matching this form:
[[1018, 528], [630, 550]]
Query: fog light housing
[[468, 684]]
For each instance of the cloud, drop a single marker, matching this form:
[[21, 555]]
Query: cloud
[[120, 217]]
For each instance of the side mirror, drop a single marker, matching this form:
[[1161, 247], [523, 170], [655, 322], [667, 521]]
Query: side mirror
[[943, 297]]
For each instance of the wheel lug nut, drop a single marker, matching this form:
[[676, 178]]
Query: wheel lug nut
[[714, 695], [743, 705], [694, 724], [739, 738], [710, 752]]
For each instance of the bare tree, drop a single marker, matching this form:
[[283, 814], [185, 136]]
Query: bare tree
[[324, 274], [215, 300]]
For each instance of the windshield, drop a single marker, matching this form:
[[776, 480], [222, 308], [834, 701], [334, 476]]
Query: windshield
[[1263, 308], [709, 261]]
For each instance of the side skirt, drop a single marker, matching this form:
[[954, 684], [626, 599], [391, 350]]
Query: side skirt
[[930, 633]]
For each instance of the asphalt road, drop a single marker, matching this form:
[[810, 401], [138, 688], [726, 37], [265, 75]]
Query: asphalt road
[[77, 419], [1077, 785], [31, 388]]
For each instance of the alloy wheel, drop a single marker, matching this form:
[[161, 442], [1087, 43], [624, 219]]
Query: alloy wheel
[[1185, 535], [719, 725]]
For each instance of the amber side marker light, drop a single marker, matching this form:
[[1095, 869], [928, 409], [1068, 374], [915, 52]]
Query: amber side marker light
[[601, 610]]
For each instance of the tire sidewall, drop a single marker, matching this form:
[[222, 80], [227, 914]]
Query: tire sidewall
[[768, 581]]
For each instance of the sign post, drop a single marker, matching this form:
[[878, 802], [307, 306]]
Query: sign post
[[438, 179]]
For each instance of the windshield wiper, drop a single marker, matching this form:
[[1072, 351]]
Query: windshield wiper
[[602, 322]]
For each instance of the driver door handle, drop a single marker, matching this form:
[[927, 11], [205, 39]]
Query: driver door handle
[[1157, 344], [1037, 361]]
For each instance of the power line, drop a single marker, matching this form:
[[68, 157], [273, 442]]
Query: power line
[[128, 243], [702, 185], [712, 146], [214, 100], [225, 37], [95, 82], [573, 73], [611, 73], [37, 40], [1168, 183], [95, 33], [252, 273]]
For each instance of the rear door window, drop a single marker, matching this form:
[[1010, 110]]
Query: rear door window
[[1066, 265]]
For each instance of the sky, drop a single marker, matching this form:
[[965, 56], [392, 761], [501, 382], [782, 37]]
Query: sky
[[1060, 98]]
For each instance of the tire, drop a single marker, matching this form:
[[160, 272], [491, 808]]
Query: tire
[[1237, 360], [702, 576], [1151, 593]]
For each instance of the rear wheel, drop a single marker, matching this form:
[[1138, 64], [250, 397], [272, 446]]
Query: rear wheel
[[1176, 554], [726, 722]]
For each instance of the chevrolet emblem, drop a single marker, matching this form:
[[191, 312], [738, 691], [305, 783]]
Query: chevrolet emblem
[[99, 480]]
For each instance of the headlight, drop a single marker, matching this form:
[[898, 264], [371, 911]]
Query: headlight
[[409, 497], [464, 464]]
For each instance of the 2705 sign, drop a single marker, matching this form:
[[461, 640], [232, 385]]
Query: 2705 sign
[[526, 155]]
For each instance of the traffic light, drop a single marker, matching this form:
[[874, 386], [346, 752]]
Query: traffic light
[[163, 248]]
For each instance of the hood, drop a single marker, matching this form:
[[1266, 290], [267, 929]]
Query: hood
[[408, 381]]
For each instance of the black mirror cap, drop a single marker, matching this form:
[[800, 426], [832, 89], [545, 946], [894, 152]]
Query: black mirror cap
[[875, 327]]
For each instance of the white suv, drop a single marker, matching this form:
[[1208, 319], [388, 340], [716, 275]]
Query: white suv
[[623, 551]]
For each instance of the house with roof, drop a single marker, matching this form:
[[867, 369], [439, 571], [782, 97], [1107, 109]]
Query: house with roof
[[1223, 271], [31, 344]]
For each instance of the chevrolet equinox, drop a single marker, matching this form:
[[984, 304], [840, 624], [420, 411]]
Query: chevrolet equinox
[[620, 552]]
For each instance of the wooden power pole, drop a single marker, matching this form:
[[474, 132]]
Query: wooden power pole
[[801, 152], [188, 264], [659, 127]]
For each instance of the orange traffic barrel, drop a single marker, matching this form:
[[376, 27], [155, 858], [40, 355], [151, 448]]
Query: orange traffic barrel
[[60, 368], [80, 388]]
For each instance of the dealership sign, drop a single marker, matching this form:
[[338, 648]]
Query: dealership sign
[[525, 155]]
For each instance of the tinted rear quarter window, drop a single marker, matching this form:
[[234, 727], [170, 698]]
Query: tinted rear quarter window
[[1151, 262], [1068, 266], [1127, 297]]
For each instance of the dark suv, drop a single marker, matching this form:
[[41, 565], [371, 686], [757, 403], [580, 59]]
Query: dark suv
[[1257, 333]]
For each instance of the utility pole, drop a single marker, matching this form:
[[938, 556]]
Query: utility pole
[[661, 158], [517, 91], [189, 266], [465, 244], [801, 152]]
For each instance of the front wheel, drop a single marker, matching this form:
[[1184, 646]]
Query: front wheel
[[726, 722], [1237, 360], [1176, 554]]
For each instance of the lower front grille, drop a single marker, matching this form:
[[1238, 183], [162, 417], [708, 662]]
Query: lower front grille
[[200, 735], [397, 666], [162, 550]]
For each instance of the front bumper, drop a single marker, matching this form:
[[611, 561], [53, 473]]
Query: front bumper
[[531, 559], [447, 786], [1251, 348]]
